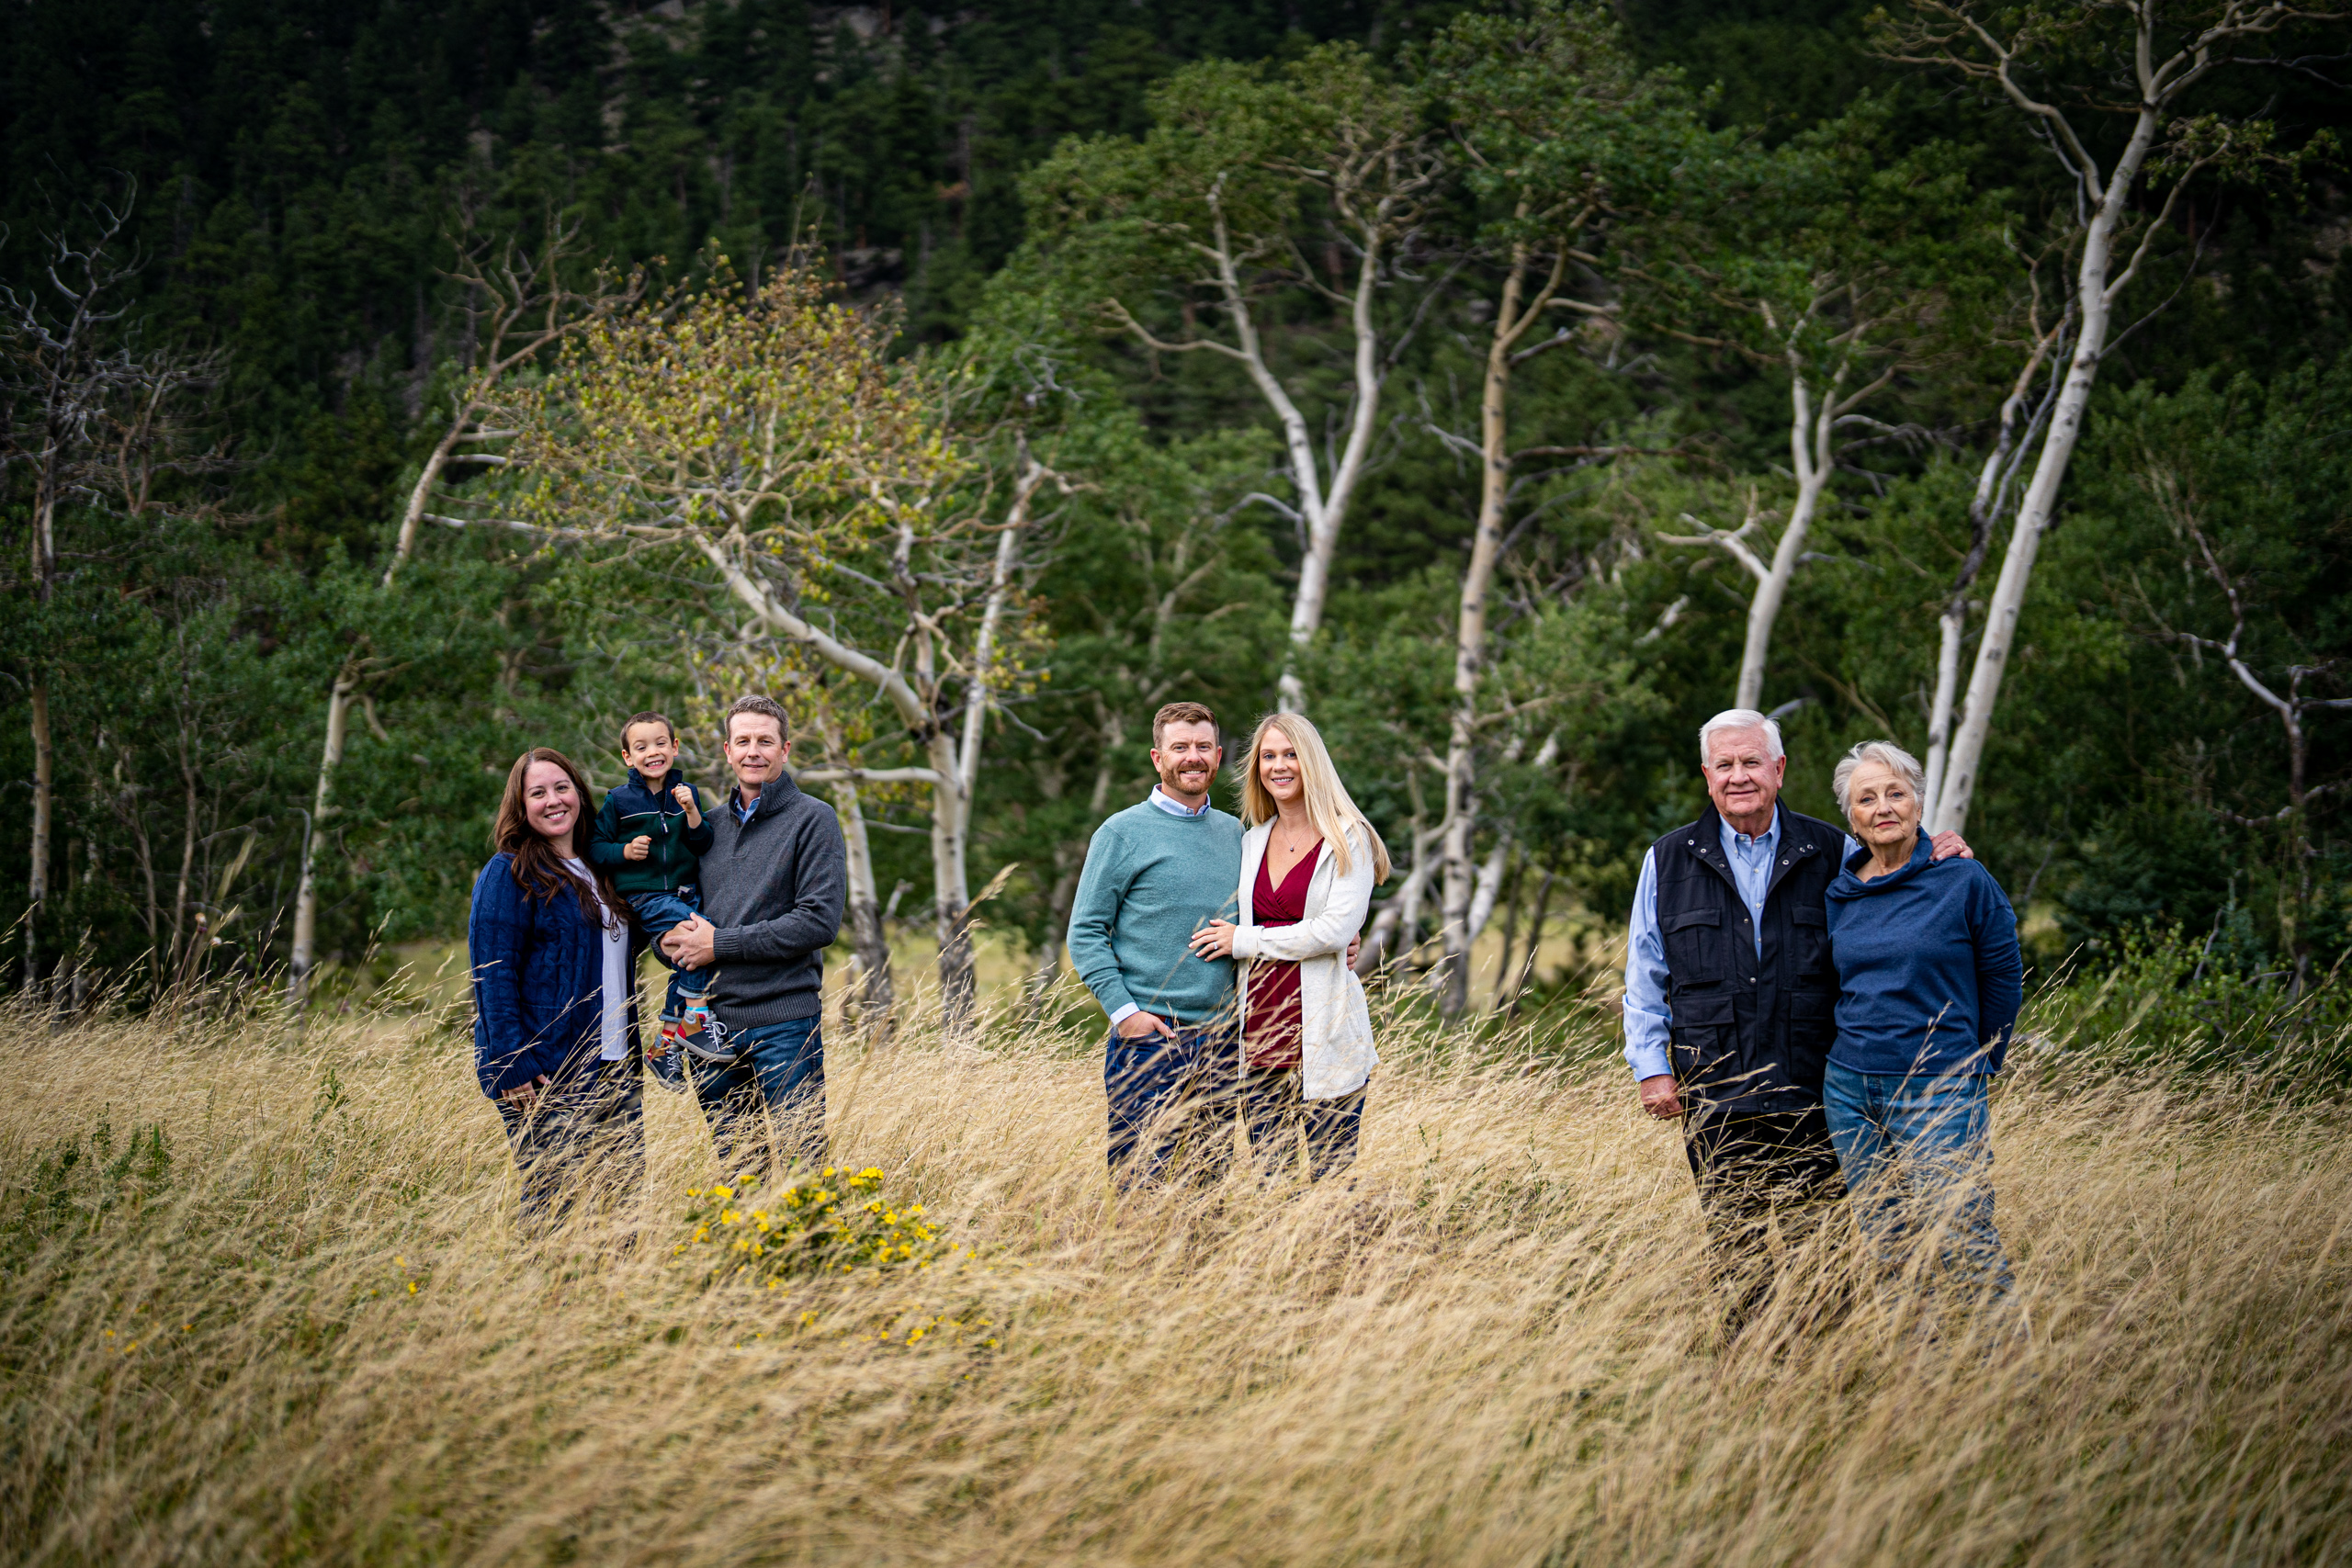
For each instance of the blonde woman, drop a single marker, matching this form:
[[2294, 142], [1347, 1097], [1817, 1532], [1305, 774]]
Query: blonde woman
[[1310, 860]]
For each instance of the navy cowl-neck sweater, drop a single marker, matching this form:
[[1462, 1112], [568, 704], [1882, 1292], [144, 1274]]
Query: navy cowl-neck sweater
[[1929, 977]]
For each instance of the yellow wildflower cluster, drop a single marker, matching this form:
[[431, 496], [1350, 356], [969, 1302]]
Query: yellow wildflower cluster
[[975, 1332], [833, 1223]]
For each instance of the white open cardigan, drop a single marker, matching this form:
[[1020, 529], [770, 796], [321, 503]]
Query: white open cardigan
[[1335, 1049]]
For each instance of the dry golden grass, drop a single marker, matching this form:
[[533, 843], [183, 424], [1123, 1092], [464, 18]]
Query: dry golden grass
[[1491, 1345]]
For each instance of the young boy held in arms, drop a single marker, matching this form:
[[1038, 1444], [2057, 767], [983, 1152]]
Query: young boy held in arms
[[650, 834]]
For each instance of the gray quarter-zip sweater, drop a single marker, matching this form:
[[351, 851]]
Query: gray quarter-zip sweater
[[773, 886]]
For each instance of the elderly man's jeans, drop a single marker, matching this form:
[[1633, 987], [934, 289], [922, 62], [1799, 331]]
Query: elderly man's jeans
[[1171, 1102], [772, 1095], [581, 1145], [1918, 1155]]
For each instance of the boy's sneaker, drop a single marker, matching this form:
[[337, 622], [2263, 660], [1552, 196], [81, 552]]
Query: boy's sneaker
[[703, 1037], [668, 1058]]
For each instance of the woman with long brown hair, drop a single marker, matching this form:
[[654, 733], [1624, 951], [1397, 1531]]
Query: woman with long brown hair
[[555, 995]]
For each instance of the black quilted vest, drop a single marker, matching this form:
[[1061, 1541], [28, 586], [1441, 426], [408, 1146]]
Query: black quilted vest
[[1751, 1031]]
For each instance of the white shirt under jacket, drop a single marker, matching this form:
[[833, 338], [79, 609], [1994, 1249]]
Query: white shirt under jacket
[[1335, 1045]]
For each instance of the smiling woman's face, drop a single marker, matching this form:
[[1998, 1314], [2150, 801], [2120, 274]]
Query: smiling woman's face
[[549, 803], [1881, 806], [1278, 768]]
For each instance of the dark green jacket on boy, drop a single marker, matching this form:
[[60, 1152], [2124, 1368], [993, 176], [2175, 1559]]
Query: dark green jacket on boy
[[633, 810]]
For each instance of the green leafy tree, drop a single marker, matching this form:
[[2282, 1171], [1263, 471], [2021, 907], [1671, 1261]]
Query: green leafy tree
[[765, 436], [1213, 214], [1839, 271], [1561, 139], [520, 302], [2074, 72]]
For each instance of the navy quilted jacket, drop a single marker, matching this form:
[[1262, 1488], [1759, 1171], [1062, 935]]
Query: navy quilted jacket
[[538, 974]]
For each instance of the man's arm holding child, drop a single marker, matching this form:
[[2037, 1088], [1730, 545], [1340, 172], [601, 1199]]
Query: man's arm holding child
[[820, 893]]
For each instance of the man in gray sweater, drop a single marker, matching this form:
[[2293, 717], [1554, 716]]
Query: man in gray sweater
[[772, 886]]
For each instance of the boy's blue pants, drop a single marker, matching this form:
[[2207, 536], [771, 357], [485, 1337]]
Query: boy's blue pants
[[659, 913]]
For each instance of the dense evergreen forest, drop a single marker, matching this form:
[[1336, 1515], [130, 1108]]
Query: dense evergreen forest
[[1212, 301]]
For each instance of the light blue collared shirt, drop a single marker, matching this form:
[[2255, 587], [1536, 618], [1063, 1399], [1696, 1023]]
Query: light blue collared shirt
[[1159, 797], [1647, 1021]]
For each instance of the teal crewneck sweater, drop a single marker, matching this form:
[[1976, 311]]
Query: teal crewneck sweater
[[1151, 880]]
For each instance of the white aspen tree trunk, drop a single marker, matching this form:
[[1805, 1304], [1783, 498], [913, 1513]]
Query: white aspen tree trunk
[[1952, 624], [306, 891], [872, 993], [1411, 895], [1810, 432], [977, 697], [1991, 480], [1952, 628], [2095, 301], [184, 948], [1488, 890], [304, 953], [949, 887], [959, 771], [951, 890], [1486, 885], [1323, 530], [44, 571], [1321, 510], [1389, 930], [44, 796], [1484, 894], [1470, 630], [437, 462]]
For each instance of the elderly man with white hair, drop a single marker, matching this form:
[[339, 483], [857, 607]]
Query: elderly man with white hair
[[1730, 998]]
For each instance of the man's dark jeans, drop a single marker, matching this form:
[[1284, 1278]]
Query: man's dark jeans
[[1276, 1111], [771, 1096], [580, 1145], [1759, 1174], [1171, 1103]]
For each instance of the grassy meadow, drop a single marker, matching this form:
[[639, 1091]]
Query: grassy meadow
[[264, 1301]]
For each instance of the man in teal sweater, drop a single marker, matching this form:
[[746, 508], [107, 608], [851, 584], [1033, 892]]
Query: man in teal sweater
[[1155, 873]]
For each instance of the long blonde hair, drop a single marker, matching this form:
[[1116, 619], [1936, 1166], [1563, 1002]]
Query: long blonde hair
[[1329, 805]]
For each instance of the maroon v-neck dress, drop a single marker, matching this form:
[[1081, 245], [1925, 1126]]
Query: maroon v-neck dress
[[1276, 1017]]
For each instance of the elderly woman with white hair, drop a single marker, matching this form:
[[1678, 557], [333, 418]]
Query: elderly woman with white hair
[[1929, 981]]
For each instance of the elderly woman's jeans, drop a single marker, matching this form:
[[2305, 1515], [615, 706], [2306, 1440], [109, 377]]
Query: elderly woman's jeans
[[580, 1145], [1917, 1156]]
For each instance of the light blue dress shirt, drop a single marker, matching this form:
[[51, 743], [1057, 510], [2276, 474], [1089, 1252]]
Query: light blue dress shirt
[[1161, 798], [1647, 1022]]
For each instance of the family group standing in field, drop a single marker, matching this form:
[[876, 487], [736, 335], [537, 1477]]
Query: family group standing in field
[[1822, 1010]]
